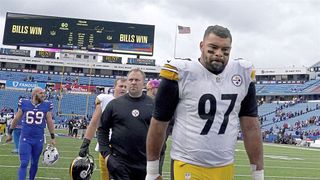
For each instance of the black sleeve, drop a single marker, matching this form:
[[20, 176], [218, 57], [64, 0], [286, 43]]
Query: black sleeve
[[166, 100], [249, 104], [103, 129]]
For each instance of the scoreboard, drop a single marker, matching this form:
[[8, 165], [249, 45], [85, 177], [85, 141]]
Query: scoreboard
[[69, 33]]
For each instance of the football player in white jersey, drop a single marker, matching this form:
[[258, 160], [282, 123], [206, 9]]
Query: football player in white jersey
[[120, 88], [3, 122], [209, 97]]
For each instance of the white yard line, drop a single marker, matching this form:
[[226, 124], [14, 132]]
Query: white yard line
[[45, 178], [40, 157], [292, 147], [282, 167], [284, 146]]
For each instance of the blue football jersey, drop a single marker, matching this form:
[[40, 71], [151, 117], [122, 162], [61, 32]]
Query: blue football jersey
[[34, 117]]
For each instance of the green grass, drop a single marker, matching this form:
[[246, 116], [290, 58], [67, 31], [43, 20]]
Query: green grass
[[281, 162]]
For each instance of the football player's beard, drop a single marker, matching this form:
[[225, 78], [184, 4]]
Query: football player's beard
[[39, 98], [216, 67]]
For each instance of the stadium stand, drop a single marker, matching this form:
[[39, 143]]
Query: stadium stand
[[54, 78], [283, 89], [71, 104]]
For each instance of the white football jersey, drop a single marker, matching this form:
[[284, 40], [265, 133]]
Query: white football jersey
[[103, 99], [206, 124]]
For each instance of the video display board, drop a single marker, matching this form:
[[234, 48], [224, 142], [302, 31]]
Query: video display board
[[70, 33], [45, 54], [147, 62], [112, 59]]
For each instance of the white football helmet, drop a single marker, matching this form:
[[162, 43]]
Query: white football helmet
[[50, 155]]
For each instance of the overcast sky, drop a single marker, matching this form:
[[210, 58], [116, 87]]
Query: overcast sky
[[270, 33]]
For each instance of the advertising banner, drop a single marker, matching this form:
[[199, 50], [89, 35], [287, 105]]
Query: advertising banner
[[15, 52], [75, 87], [45, 54], [22, 85], [112, 59]]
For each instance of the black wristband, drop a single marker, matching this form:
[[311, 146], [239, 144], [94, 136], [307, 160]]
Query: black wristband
[[10, 131], [87, 141], [52, 136]]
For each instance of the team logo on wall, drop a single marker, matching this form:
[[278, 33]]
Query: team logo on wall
[[236, 80], [135, 113]]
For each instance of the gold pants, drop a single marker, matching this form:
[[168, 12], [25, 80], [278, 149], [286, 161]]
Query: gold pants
[[187, 171]]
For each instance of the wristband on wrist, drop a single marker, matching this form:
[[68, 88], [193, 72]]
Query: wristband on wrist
[[153, 167], [253, 167], [256, 174], [52, 135], [87, 141]]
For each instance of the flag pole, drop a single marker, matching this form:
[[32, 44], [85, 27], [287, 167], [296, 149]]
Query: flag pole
[[175, 43]]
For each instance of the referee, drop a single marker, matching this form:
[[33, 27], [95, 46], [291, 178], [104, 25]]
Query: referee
[[129, 118]]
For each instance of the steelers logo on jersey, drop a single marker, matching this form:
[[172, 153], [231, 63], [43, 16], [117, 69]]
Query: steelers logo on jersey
[[135, 113], [237, 80], [187, 176]]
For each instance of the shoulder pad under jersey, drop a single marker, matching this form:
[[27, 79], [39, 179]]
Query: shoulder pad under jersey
[[247, 65], [103, 97], [170, 70], [244, 63]]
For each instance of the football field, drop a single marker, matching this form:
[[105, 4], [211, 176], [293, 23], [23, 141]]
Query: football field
[[281, 162]]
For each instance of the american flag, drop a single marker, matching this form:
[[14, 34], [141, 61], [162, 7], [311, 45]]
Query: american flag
[[184, 30]]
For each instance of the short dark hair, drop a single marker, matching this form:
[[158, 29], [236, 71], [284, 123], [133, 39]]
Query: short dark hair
[[219, 31], [117, 80]]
